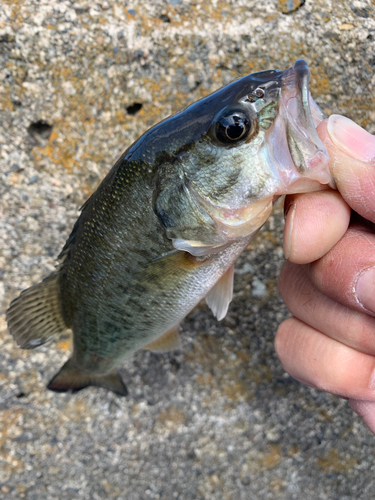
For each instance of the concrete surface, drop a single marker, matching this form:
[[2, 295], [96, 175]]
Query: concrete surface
[[218, 419]]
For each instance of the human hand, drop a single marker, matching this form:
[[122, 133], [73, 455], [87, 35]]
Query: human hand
[[328, 282]]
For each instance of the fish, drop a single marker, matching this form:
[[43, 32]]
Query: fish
[[166, 225]]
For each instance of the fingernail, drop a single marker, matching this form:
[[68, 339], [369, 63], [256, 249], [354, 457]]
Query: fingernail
[[365, 289], [351, 138], [289, 230]]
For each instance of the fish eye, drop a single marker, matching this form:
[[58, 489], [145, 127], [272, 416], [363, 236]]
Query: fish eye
[[232, 126]]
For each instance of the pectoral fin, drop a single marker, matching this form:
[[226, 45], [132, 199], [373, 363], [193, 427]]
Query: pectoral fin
[[167, 342], [72, 378], [198, 249], [219, 297]]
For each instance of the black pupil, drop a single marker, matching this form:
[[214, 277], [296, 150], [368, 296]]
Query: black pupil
[[232, 126], [236, 129]]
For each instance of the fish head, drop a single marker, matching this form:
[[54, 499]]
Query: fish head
[[262, 143], [218, 166]]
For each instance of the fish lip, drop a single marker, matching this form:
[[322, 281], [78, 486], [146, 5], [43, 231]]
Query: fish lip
[[302, 73], [308, 153], [299, 73], [301, 69], [298, 76]]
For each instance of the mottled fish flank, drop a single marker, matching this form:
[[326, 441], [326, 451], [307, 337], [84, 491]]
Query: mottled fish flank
[[165, 226]]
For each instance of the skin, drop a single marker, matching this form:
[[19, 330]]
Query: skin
[[329, 343]]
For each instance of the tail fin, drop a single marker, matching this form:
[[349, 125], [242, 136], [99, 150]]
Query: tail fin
[[36, 315], [72, 378]]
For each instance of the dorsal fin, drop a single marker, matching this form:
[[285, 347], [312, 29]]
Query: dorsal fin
[[36, 315], [220, 295], [168, 341]]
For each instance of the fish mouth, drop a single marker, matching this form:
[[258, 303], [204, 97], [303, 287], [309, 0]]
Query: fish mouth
[[303, 79], [301, 117]]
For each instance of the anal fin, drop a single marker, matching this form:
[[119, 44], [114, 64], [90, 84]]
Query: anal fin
[[221, 294], [167, 342], [71, 378]]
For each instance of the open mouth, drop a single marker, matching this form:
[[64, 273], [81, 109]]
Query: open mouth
[[304, 112], [302, 115]]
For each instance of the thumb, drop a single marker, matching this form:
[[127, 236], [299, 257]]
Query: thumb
[[352, 162]]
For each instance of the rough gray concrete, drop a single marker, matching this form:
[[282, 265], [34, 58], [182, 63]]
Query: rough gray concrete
[[219, 419]]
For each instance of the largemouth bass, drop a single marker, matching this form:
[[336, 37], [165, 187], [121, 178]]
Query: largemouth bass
[[165, 226]]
